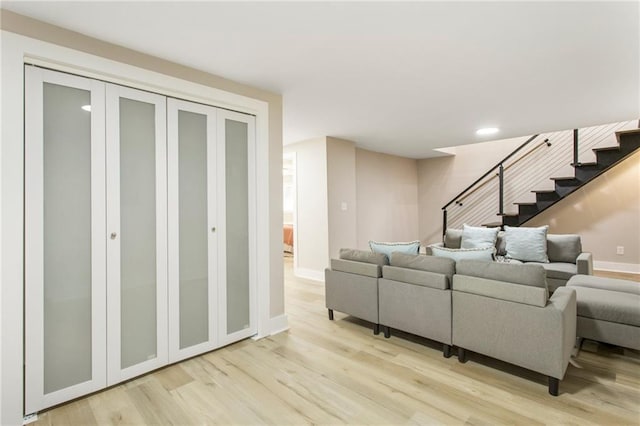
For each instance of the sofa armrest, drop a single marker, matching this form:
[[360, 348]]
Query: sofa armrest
[[563, 301], [584, 262]]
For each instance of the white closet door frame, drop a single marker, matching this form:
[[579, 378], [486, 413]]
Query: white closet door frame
[[35, 399], [224, 337], [115, 372], [173, 106]]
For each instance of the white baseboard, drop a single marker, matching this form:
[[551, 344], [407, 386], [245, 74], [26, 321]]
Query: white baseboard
[[278, 324], [309, 274], [629, 268]]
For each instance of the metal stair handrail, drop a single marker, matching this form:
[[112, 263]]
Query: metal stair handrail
[[497, 166]]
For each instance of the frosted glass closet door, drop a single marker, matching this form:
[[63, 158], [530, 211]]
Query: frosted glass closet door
[[192, 229], [237, 216], [65, 323], [137, 228]]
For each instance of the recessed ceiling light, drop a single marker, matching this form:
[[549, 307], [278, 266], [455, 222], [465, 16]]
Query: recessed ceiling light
[[86, 107], [487, 131]]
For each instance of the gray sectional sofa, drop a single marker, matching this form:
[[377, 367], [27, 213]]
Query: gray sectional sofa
[[566, 257], [497, 309]]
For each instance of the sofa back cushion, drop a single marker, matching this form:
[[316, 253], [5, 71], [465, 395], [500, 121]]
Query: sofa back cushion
[[363, 256], [528, 295], [358, 268], [501, 244], [421, 262], [563, 247], [523, 274], [453, 238]]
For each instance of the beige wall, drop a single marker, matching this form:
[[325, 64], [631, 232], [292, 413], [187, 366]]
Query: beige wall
[[440, 179], [312, 224], [29, 27], [605, 213], [387, 198], [341, 193]]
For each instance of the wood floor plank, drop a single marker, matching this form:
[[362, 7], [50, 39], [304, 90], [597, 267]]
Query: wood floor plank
[[339, 372]]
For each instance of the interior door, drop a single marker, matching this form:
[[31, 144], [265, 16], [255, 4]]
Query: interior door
[[137, 232], [193, 236], [237, 230], [65, 318]]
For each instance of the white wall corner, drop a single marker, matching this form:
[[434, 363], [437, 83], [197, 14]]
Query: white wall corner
[[309, 274], [629, 268]]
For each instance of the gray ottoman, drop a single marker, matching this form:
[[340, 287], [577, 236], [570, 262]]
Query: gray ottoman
[[608, 310]]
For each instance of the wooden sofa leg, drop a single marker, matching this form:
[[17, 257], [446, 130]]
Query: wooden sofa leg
[[554, 384], [462, 355], [376, 329], [331, 314], [446, 350], [387, 332]]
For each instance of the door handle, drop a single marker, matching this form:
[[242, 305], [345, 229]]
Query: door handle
[[113, 235]]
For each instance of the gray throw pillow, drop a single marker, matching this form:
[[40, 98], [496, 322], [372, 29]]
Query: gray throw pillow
[[478, 237], [527, 244]]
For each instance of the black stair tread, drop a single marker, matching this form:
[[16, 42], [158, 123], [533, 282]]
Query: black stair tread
[[628, 132], [564, 178], [492, 224], [526, 204], [585, 164], [605, 149], [544, 191]]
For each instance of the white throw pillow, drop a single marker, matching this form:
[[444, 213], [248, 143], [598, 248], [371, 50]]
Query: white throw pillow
[[478, 237], [527, 244], [483, 253]]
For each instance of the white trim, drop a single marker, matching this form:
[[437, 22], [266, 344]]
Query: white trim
[[309, 274], [15, 48], [629, 268], [279, 324]]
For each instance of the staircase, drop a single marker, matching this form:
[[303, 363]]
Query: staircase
[[606, 158], [628, 142]]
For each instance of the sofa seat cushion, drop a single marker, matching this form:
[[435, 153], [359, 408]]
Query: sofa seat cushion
[[605, 305], [610, 284], [558, 270]]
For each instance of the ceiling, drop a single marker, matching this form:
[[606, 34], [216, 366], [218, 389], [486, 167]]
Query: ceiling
[[399, 78]]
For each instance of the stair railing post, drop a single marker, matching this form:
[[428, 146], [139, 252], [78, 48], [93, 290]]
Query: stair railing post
[[501, 190], [444, 222], [575, 148]]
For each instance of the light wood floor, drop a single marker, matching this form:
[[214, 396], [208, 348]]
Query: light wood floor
[[337, 372]]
